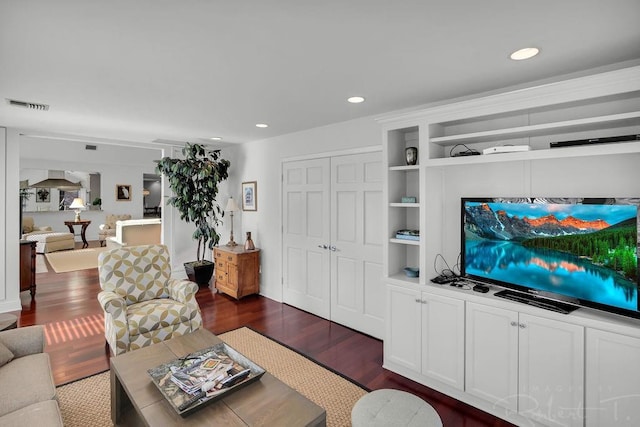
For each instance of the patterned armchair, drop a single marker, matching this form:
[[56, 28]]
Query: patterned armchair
[[142, 304]]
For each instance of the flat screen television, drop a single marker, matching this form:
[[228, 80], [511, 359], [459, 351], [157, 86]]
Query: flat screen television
[[577, 252]]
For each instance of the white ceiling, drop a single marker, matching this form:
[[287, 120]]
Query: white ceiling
[[145, 70]]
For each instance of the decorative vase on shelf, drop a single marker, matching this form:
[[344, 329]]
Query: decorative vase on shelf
[[412, 155], [248, 245]]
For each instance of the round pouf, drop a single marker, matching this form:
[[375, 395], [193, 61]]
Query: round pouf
[[388, 407]]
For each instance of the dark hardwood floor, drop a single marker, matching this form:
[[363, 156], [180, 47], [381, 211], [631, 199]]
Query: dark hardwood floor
[[67, 302]]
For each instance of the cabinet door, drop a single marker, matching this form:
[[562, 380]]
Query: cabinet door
[[443, 339], [551, 371], [492, 355], [402, 343], [612, 379]]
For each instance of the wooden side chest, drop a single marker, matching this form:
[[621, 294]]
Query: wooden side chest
[[28, 266], [237, 271]]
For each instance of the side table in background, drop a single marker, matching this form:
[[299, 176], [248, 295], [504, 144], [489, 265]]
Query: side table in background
[[28, 266]]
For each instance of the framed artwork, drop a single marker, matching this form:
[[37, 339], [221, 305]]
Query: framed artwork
[[43, 195], [250, 196], [123, 193]]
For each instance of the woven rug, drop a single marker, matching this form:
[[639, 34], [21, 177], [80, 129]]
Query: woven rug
[[87, 402], [41, 265], [79, 259]]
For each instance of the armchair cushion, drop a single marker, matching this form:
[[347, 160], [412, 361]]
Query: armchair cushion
[[136, 275]]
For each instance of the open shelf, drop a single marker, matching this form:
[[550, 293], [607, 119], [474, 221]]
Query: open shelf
[[590, 123]]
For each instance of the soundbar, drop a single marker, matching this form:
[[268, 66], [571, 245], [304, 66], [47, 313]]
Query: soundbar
[[623, 138]]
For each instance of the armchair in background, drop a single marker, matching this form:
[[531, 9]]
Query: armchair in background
[[142, 303], [108, 229]]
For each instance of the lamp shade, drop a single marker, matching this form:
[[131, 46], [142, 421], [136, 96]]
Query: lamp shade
[[77, 203], [232, 206]]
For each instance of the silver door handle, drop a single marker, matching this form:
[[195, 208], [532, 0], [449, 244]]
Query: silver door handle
[[333, 248]]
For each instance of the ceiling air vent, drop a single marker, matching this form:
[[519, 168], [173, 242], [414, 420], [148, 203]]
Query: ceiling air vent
[[90, 147], [29, 105]]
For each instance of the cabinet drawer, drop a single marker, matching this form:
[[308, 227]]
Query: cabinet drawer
[[221, 265], [229, 257]]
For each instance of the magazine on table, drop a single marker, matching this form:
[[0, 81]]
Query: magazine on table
[[204, 376]]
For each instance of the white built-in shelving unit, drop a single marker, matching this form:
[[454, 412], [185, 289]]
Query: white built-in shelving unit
[[423, 319]]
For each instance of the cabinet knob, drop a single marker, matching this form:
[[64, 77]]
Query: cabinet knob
[[522, 325], [514, 323], [418, 300], [323, 246], [333, 248]]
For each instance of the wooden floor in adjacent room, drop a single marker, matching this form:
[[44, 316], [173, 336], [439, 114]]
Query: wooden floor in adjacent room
[[66, 303]]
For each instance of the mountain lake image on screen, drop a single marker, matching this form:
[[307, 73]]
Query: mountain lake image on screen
[[585, 253]]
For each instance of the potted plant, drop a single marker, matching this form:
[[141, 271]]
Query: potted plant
[[194, 181]]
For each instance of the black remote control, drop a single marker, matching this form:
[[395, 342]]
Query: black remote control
[[232, 380], [191, 401]]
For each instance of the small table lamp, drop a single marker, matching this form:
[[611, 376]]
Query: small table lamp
[[232, 207], [78, 205]]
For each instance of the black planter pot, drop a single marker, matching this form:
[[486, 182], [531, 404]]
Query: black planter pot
[[199, 272]]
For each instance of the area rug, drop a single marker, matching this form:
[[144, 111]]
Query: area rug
[[79, 259], [41, 264], [87, 402]]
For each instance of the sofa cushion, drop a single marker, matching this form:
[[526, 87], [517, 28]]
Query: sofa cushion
[[41, 414], [6, 355], [25, 381]]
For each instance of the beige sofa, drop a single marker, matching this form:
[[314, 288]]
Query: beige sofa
[[134, 232], [108, 229], [27, 390], [30, 229], [46, 239]]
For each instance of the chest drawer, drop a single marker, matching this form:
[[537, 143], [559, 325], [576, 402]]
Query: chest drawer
[[227, 257]]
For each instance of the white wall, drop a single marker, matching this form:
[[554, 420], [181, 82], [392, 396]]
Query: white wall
[[261, 162]]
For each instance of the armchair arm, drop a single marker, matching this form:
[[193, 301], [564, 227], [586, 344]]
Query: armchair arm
[[24, 341], [113, 304], [182, 290]]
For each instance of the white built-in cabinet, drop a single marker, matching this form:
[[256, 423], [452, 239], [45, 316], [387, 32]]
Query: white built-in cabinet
[[520, 363], [426, 334], [612, 379], [527, 364]]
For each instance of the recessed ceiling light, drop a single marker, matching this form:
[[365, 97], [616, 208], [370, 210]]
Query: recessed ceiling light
[[526, 53], [355, 99], [216, 138], [262, 125]]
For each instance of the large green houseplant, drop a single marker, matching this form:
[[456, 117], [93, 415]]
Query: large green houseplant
[[194, 181]]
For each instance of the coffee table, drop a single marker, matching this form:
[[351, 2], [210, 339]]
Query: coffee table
[[135, 400]]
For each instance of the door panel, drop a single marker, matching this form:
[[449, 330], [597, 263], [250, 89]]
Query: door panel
[[305, 195], [356, 196]]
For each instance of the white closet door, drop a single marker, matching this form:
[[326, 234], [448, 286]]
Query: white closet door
[[306, 216], [357, 291]]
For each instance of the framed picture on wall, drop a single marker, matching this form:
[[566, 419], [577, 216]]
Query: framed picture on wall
[[250, 196], [43, 195], [123, 193]]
